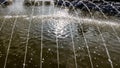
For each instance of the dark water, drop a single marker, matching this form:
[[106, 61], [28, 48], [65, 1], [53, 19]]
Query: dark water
[[56, 30]]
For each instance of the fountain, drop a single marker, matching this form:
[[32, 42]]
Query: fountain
[[60, 34]]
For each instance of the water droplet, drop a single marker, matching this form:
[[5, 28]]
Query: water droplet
[[49, 49]]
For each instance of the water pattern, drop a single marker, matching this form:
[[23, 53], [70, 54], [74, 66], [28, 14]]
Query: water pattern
[[52, 36]]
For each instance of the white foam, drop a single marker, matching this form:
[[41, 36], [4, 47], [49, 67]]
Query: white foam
[[66, 17]]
